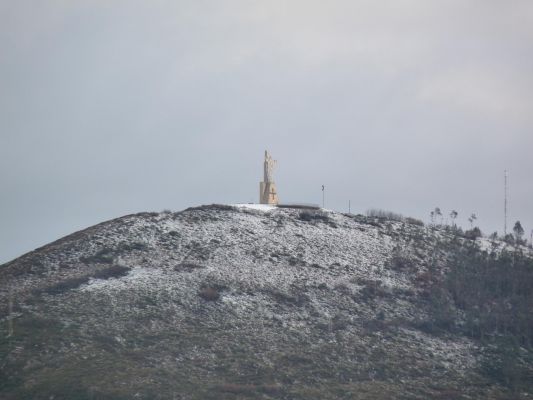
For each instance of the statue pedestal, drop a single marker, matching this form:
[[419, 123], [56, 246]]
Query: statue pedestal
[[268, 193]]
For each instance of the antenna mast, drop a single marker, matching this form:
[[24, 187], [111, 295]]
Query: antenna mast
[[505, 205]]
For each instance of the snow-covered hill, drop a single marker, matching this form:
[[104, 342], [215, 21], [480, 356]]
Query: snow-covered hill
[[233, 302]]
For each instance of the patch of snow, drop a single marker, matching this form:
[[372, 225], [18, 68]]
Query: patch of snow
[[136, 274], [253, 206]]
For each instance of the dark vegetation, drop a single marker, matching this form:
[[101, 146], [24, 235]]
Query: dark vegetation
[[316, 216], [401, 261], [107, 255], [104, 256], [66, 285], [294, 298], [495, 291], [373, 289], [300, 206], [414, 221], [473, 233], [188, 267], [389, 215], [384, 215], [313, 216], [210, 293], [209, 207], [113, 271], [486, 296]]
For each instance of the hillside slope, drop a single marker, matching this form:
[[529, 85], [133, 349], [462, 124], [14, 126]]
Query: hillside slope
[[223, 302]]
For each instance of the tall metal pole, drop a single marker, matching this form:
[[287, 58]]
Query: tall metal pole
[[349, 206], [323, 197], [505, 205]]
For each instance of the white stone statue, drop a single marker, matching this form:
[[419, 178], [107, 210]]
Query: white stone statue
[[267, 189], [269, 167]]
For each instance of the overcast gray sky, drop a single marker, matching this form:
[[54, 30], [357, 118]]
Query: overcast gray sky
[[114, 107]]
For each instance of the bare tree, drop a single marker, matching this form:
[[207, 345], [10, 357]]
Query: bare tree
[[471, 219], [438, 213], [453, 216], [518, 232]]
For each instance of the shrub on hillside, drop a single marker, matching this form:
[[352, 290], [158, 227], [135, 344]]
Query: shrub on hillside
[[400, 260], [372, 289], [313, 216], [114, 271], [107, 255], [294, 298], [188, 267], [316, 216], [509, 239], [209, 293], [414, 221], [66, 285], [377, 213], [473, 233], [103, 256]]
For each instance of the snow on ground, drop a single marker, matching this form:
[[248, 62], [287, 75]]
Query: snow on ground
[[282, 276], [137, 274], [254, 206], [270, 250]]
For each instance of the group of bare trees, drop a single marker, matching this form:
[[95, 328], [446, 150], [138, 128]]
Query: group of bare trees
[[437, 214], [438, 219]]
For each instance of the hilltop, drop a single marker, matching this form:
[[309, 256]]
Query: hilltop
[[224, 302]]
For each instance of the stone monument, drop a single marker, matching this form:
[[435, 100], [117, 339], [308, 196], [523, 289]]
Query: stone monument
[[267, 188]]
